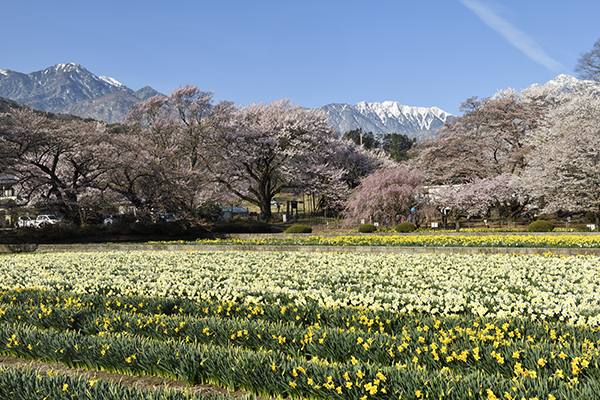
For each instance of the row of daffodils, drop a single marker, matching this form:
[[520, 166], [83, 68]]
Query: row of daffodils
[[430, 240], [309, 325], [30, 384]]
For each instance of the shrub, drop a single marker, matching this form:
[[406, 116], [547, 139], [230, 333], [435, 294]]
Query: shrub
[[590, 216], [405, 227], [298, 229], [241, 226], [367, 228], [582, 228], [211, 211], [540, 226]]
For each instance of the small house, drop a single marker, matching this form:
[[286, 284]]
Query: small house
[[232, 211]]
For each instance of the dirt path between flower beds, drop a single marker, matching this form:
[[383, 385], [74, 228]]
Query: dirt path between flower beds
[[147, 382]]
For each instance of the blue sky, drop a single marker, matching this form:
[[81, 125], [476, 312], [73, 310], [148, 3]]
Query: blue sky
[[420, 53]]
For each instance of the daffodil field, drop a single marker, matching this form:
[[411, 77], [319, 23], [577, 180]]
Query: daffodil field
[[309, 325]]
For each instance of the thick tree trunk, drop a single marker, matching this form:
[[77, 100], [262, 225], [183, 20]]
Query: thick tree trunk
[[264, 200], [265, 210], [456, 216]]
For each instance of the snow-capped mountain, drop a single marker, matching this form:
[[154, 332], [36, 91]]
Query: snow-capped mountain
[[387, 117], [61, 87], [420, 122], [570, 84]]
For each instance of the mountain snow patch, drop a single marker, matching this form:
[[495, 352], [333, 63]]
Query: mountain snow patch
[[111, 81], [68, 67]]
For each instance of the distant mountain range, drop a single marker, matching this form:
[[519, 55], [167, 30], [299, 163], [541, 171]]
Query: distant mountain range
[[387, 117], [69, 88]]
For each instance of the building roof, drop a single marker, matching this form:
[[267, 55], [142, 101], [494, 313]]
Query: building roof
[[8, 179], [236, 210]]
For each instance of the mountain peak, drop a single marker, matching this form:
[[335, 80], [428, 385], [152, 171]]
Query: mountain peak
[[68, 67], [61, 87], [564, 80], [570, 84]]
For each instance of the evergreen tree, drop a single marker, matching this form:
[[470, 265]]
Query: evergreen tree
[[396, 145], [367, 140]]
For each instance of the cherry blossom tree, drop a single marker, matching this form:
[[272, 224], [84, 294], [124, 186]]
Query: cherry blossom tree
[[357, 161], [564, 167], [175, 137], [135, 175], [488, 140], [268, 148], [385, 196], [476, 197], [324, 184], [342, 166], [53, 159]]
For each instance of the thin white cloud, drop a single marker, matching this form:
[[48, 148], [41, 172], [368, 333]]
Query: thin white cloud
[[513, 35]]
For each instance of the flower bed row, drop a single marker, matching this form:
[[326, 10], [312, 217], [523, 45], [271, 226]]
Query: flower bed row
[[32, 384], [413, 240]]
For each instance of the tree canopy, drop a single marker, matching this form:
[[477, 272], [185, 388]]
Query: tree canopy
[[267, 148], [588, 64], [361, 138], [385, 196], [488, 140], [564, 168]]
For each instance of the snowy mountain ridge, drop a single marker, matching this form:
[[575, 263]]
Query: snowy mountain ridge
[[426, 117], [387, 117], [570, 84], [567, 81]]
